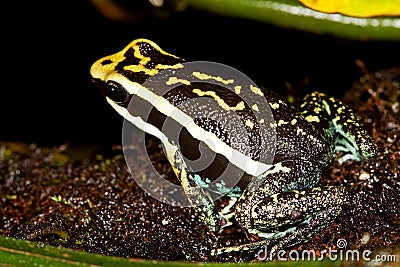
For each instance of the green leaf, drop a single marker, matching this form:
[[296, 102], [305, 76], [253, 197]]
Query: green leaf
[[293, 14], [14, 252]]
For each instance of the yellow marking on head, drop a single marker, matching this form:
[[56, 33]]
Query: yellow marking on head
[[175, 80], [255, 107], [143, 59], [153, 44], [293, 122], [311, 118], [220, 101], [273, 124], [139, 68], [275, 105], [102, 71], [256, 90], [261, 121], [204, 76]]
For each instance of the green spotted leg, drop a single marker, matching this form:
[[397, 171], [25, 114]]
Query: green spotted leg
[[329, 113], [283, 208], [304, 231]]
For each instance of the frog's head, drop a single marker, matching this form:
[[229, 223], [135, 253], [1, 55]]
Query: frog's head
[[118, 75]]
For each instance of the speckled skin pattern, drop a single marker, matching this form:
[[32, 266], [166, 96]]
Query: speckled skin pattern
[[282, 205]]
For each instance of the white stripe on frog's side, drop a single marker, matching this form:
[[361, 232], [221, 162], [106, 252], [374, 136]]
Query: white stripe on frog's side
[[138, 122], [148, 128], [240, 160]]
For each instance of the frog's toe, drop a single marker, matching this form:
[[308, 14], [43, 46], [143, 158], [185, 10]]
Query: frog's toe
[[364, 148], [368, 148]]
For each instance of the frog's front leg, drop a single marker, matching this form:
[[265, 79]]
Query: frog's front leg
[[198, 199], [338, 122], [281, 215]]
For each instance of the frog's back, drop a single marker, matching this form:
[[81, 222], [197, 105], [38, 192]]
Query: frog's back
[[296, 137], [217, 112]]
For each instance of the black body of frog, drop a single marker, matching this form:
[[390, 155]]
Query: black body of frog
[[281, 205]]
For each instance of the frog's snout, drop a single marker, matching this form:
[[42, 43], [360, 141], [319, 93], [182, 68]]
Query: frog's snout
[[99, 84]]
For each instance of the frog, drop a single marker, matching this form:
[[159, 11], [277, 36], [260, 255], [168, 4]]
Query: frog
[[281, 206]]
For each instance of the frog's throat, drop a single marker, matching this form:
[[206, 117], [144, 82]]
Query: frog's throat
[[240, 160]]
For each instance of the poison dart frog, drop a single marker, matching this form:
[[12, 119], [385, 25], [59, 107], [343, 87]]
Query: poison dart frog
[[281, 205]]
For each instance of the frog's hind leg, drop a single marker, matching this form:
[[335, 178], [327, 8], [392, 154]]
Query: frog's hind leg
[[290, 236], [338, 121], [283, 207], [306, 212], [285, 219]]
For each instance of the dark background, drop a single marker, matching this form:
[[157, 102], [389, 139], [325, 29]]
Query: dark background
[[48, 48]]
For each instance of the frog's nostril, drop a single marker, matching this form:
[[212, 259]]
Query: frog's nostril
[[99, 84]]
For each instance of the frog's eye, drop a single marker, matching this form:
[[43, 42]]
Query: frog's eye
[[117, 93]]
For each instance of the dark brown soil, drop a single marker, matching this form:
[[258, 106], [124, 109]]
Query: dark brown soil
[[92, 203]]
